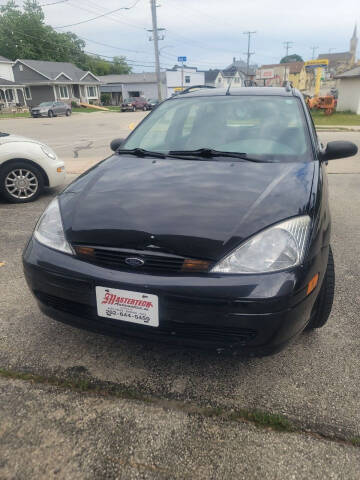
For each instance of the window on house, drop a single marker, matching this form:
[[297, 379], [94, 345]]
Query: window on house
[[134, 94], [92, 93], [9, 95], [64, 92], [21, 68], [187, 78], [27, 93], [237, 80]]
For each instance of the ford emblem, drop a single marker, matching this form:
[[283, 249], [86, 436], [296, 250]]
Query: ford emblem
[[134, 261]]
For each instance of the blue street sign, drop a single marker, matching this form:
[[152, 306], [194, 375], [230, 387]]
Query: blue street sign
[[182, 59]]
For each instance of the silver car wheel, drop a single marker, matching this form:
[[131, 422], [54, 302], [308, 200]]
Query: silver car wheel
[[21, 183]]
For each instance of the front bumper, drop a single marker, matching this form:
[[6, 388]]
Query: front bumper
[[247, 313], [39, 114]]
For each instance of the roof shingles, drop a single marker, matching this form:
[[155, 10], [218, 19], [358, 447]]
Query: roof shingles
[[53, 69]]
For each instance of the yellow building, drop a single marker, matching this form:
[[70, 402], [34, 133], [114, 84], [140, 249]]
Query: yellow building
[[276, 74]]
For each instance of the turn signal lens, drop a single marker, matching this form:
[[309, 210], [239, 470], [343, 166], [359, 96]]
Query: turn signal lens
[[191, 265], [312, 284], [88, 251]]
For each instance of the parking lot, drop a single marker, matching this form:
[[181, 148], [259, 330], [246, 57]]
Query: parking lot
[[151, 411]]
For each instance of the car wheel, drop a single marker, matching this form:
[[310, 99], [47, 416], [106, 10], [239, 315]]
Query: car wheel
[[322, 308], [21, 182], [144, 108], [68, 113], [134, 109], [50, 113]]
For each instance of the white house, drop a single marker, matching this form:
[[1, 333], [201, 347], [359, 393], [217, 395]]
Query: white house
[[11, 92], [132, 85], [349, 91], [178, 78]]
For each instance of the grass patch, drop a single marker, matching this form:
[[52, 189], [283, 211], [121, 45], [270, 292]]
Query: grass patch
[[337, 118], [265, 419], [355, 441], [113, 108], [85, 110], [15, 115]]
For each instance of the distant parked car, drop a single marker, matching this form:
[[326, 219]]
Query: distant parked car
[[26, 167], [51, 109], [133, 104]]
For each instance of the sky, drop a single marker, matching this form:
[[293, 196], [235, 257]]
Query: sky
[[208, 32]]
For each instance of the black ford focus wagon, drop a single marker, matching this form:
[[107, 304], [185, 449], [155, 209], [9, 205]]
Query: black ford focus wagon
[[208, 226]]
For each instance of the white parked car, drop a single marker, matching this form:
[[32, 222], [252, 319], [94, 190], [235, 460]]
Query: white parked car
[[26, 167]]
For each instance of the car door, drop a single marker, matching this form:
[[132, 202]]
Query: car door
[[59, 108]]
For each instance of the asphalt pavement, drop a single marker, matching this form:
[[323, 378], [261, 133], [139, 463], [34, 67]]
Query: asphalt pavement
[[161, 427]]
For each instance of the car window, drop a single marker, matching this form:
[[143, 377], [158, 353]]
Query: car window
[[270, 127], [45, 104]]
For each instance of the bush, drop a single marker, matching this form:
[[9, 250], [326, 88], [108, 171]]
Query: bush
[[74, 104], [105, 98]]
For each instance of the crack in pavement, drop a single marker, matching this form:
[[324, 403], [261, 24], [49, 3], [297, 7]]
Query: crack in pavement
[[82, 147], [85, 384]]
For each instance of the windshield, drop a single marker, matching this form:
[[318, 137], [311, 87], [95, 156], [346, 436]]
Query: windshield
[[45, 104], [268, 127]]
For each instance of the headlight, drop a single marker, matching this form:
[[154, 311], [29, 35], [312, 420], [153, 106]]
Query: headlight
[[279, 247], [48, 152], [49, 230]]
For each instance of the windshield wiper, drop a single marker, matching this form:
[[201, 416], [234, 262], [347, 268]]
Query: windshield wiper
[[210, 153], [140, 152]]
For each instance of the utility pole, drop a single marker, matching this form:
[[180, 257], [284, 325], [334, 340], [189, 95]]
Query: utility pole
[[248, 53], [313, 51], [287, 46], [156, 46]]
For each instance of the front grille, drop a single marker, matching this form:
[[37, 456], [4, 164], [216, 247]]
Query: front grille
[[153, 262], [192, 332]]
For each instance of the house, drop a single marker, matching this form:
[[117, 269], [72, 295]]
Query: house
[[341, 61], [276, 74], [49, 81], [349, 91], [214, 78], [132, 85], [234, 77], [180, 77], [241, 67], [11, 92]]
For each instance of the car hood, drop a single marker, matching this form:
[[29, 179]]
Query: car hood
[[17, 138], [199, 209]]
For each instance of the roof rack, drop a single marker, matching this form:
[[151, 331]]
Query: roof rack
[[194, 87]]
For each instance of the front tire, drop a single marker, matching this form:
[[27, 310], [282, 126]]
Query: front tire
[[50, 113], [322, 308], [21, 182], [68, 113]]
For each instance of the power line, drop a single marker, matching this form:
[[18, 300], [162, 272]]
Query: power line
[[313, 51], [98, 16], [53, 3], [288, 45]]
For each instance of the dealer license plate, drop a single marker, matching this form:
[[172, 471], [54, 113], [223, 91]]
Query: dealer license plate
[[133, 307]]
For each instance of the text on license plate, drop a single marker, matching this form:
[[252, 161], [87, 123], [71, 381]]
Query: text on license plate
[[134, 307]]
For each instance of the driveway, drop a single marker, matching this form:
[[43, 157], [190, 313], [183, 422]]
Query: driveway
[[82, 139], [81, 405]]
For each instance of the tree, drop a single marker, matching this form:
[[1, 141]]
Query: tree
[[24, 34], [291, 58]]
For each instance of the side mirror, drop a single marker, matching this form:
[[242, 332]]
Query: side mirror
[[116, 143], [339, 149]]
